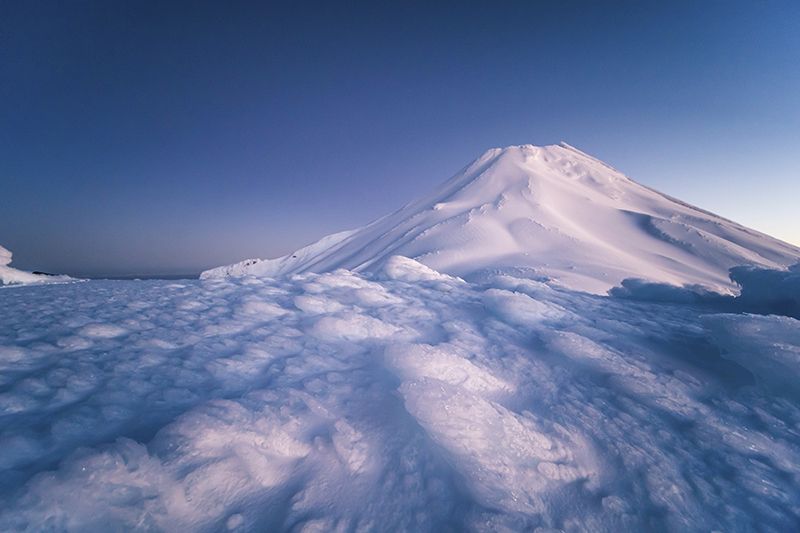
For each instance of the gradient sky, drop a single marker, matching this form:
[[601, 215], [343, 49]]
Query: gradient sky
[[155, 137]]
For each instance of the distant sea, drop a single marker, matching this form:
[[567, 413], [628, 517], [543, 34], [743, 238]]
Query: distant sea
[[149, 276]]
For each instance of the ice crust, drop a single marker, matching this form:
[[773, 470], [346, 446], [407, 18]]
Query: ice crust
[[401, 400]]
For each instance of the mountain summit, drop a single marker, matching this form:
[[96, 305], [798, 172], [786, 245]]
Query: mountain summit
[[552, 211]]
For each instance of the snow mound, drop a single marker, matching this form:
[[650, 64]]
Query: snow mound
[[402, 268], [12, 276], [762, 290], [5, 257], [770, 291], [352, 402], [554, 210]]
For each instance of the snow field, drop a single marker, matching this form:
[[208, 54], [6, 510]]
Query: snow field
[[400, 400]]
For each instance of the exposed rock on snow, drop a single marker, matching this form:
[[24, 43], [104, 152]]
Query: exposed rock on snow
[[555, 210], [12, 276]]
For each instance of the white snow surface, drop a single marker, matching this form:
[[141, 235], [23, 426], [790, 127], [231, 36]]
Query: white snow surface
[[554, 210], [13, 276], [398, 400]]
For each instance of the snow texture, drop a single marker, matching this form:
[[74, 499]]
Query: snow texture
[[554, 210], [397, 400]]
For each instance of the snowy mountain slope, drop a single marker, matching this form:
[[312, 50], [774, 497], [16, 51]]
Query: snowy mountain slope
[[554, 210], [281, 265]]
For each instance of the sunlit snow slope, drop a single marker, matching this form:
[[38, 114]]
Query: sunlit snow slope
[[554, 210]]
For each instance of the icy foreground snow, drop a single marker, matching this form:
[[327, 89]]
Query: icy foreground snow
[[554, 210], [399, 400]]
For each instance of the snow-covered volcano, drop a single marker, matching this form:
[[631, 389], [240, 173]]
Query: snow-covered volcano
[[554, 210]]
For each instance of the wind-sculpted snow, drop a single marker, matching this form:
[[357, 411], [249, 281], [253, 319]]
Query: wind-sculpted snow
[[762, 290], [769, 291], [405, 401]]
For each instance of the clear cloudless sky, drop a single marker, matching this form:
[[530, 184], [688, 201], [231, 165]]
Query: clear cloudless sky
[[168, 137]]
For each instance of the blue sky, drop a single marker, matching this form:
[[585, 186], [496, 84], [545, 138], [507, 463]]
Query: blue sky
[[140, 138]]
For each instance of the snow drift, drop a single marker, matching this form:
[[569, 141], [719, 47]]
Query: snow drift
[[13, 276], [553, 210], [769, 291], [762, 290]]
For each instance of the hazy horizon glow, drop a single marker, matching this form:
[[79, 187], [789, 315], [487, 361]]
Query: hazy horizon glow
[[158, 139]]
